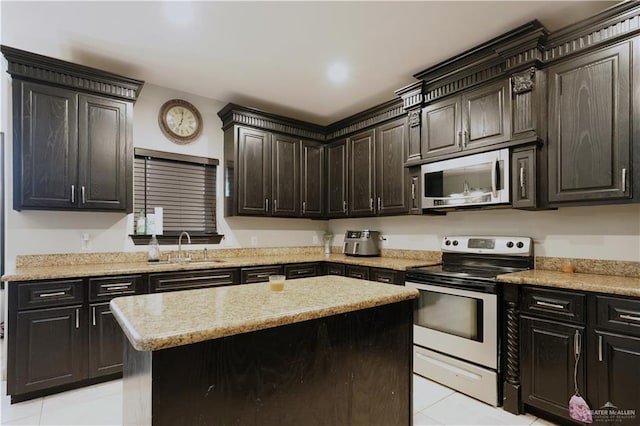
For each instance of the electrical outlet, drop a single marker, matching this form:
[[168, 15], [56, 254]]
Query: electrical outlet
[[316, 240], [254, 241], [385, 242], [86, 242]]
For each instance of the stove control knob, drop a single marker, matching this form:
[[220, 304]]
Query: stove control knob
[[510, 244], [455, 242], [448, 242], [520, 244]]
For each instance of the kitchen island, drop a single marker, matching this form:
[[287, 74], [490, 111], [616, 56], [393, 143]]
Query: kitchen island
[[326, 350]]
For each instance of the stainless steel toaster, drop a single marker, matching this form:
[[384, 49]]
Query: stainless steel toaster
[[362, 243]]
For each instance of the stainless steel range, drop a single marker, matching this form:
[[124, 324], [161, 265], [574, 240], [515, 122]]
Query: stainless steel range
[[457, 326]]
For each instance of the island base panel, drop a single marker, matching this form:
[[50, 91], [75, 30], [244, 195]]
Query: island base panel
[[353, 368]]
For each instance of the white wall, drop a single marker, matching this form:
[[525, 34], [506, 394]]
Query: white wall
[[602, 232], [36, 232]]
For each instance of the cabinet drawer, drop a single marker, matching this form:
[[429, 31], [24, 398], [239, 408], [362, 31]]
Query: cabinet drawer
[[617, 313], [361, 272], [259, 274], [192, 280], [556, 304], [388, 276], [335, 269], [50, 293], [301, 270], [103, 289]]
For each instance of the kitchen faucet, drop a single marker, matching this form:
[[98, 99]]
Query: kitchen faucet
[[180, 259]]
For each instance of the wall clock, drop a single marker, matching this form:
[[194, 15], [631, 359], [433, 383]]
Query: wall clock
[[180, 121]]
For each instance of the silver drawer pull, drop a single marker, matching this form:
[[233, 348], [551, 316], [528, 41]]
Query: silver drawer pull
[[58, 293], [549, 305], [599, 348], [630, 317], [222, 276], [94, 316], [115, 287], [77, 318], [262, 275], [384, 280]]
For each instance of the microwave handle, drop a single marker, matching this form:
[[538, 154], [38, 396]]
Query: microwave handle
[[494, 177]]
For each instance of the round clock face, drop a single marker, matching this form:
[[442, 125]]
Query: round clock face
[[180, 121]]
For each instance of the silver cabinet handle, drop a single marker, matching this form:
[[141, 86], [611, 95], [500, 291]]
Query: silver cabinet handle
[[119, 286], [465, 139], [600, 348], [262, 275], [84, 200], [379, 203], [630, 317], [577, 343], [57, 293], [459, 139], [275, 205], [73, 193], [624, 180], [523, 192], [266, 204], [304, 207], [413, 190], [549, 305], [371, 204], [494, 178], [384, 280], [77, 318], [94, 316], [344, 206]]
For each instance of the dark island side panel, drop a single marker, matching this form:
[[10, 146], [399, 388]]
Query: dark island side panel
[[353, 368]]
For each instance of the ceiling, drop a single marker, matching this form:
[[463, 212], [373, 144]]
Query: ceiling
[[274, 55]]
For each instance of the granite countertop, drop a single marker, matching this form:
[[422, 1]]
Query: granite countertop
[[106, 269], [165, 320], [610, 284]]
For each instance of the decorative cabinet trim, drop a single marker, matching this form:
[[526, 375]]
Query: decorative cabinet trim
[[414, 117], [524, 81], [30, 66], [371, 117]]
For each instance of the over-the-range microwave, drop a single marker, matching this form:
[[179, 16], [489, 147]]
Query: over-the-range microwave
[[473, 180]]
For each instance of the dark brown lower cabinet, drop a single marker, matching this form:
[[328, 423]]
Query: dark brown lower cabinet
[[616, 369], [105, 341], [547, 351], [49, 349]]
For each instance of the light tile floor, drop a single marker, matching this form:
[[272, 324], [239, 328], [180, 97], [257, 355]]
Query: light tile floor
[[101, 404]]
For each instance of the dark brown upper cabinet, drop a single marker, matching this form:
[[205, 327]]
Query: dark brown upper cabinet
[[72, 135], [391, 175], [475, 119], [254, 171], [337, 179], [312, 173], [285, 189], [361, 173], [589, 126]]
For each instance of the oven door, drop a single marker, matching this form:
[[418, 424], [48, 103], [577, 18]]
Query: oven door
[[459, 323], [479, 179]]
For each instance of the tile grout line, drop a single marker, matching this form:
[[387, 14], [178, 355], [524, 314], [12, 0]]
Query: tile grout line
[[434, 403]]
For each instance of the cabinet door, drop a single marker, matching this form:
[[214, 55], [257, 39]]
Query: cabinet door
[[547, 360], [254, 171], [285, 190], [589, 116], [616, 364], [50, 350], [486, 115], [312, 179], [415, 191], [441, 123], [105, 342], [45, 147], [337, 179], [361, 174], [523, 178], [102, 153], [391, 175]]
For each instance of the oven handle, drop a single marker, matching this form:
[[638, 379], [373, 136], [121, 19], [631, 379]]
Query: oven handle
[[494, 175]]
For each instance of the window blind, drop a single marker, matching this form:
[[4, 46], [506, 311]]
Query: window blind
[[185, 190]]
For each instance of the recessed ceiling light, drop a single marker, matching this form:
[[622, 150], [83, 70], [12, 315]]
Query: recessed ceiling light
[[338, 72]]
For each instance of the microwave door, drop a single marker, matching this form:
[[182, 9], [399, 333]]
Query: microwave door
[[472, 180]]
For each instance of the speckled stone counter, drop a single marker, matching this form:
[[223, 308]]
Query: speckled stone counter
[[30, 273], [610, 284], [164, 320]]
